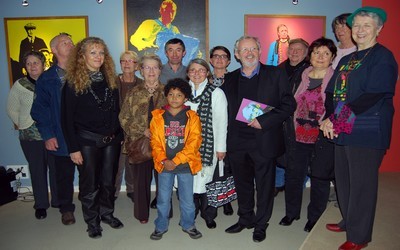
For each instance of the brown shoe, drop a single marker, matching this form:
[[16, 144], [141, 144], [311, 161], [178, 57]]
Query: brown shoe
[[68, 218]]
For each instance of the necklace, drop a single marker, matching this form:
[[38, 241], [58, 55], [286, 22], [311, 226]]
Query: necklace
[[342, 78], [152, 89], [353, 63], [103, 104]]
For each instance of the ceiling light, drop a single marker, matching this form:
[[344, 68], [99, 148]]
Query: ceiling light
[[99, 1], [295, 2], [25, 3]]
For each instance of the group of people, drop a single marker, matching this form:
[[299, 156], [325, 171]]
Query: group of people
[[342, 124], [331, 118]]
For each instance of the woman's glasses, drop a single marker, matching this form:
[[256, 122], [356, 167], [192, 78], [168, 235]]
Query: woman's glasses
[[149, 68], [128, 61]]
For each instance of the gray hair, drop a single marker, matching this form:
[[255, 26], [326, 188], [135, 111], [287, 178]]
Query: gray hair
[[201, 62], [150, 56], [245, 38], [54, 40], [374, 16]]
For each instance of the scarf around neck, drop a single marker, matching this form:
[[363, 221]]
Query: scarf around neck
[[204, 111]]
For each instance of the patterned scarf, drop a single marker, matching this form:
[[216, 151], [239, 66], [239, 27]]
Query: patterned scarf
[[28, 83], [96, 76], [205, 113]]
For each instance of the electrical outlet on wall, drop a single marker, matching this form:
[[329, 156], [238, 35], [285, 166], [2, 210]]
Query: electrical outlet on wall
[[22, 170]]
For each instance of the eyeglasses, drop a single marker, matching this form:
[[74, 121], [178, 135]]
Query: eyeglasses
[[223, 57], [149, 68], [128, 61], [247, 50], [194, 71]]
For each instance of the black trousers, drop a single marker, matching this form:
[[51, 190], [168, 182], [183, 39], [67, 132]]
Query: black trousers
[[52, 179], [356, 172], [319, 196], [65, 172], [97, 182], [207, 212], [299, 159], [142, 173], [36, 154], [249, 167], [321, 175]]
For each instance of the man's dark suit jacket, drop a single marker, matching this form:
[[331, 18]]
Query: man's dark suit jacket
[[27, 46], [273, 89]]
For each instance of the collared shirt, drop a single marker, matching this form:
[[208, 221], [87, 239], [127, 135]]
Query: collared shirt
[[255, 72], [168, 73]]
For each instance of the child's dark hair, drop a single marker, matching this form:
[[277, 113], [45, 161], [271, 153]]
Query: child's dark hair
[[178, 83]]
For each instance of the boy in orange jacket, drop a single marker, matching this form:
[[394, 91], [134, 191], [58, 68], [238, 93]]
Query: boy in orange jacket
[[175, 142]]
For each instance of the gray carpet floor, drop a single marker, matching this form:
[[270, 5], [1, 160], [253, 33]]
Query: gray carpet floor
[[386, 234], [20, 230]]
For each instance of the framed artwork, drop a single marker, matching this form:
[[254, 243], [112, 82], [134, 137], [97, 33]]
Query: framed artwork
[[149, 24], [35, 33], [270, 28]]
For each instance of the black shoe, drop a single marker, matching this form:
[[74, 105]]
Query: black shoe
[[287, 221], [130, 195], [157, 235], [228, 210], [237, 228], [193, 233], [40, 213], [153, 203], [68, 218], [94, 232], [309, 226], [211, 224], [259, 235], [113, 222]]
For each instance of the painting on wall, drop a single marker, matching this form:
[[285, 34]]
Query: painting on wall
[[274, 32], [149, 24], [26, 34]]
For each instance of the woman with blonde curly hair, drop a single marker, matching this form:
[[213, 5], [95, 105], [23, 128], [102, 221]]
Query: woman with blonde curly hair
[[90, 108]]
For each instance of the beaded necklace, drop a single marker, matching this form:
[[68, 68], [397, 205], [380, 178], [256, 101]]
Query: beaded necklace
[[103, 104]]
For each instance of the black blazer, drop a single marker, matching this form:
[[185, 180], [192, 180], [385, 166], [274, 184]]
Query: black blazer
[[27, 46], [273, 89]]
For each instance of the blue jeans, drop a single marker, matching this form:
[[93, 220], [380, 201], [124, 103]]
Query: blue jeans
[[186, 203]]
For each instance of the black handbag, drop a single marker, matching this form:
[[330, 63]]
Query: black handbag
[[222, 189]]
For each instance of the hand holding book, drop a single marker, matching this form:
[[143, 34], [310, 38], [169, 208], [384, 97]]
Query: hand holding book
[[249, 110]]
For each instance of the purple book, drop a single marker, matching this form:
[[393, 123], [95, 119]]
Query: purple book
[[249, 110]]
